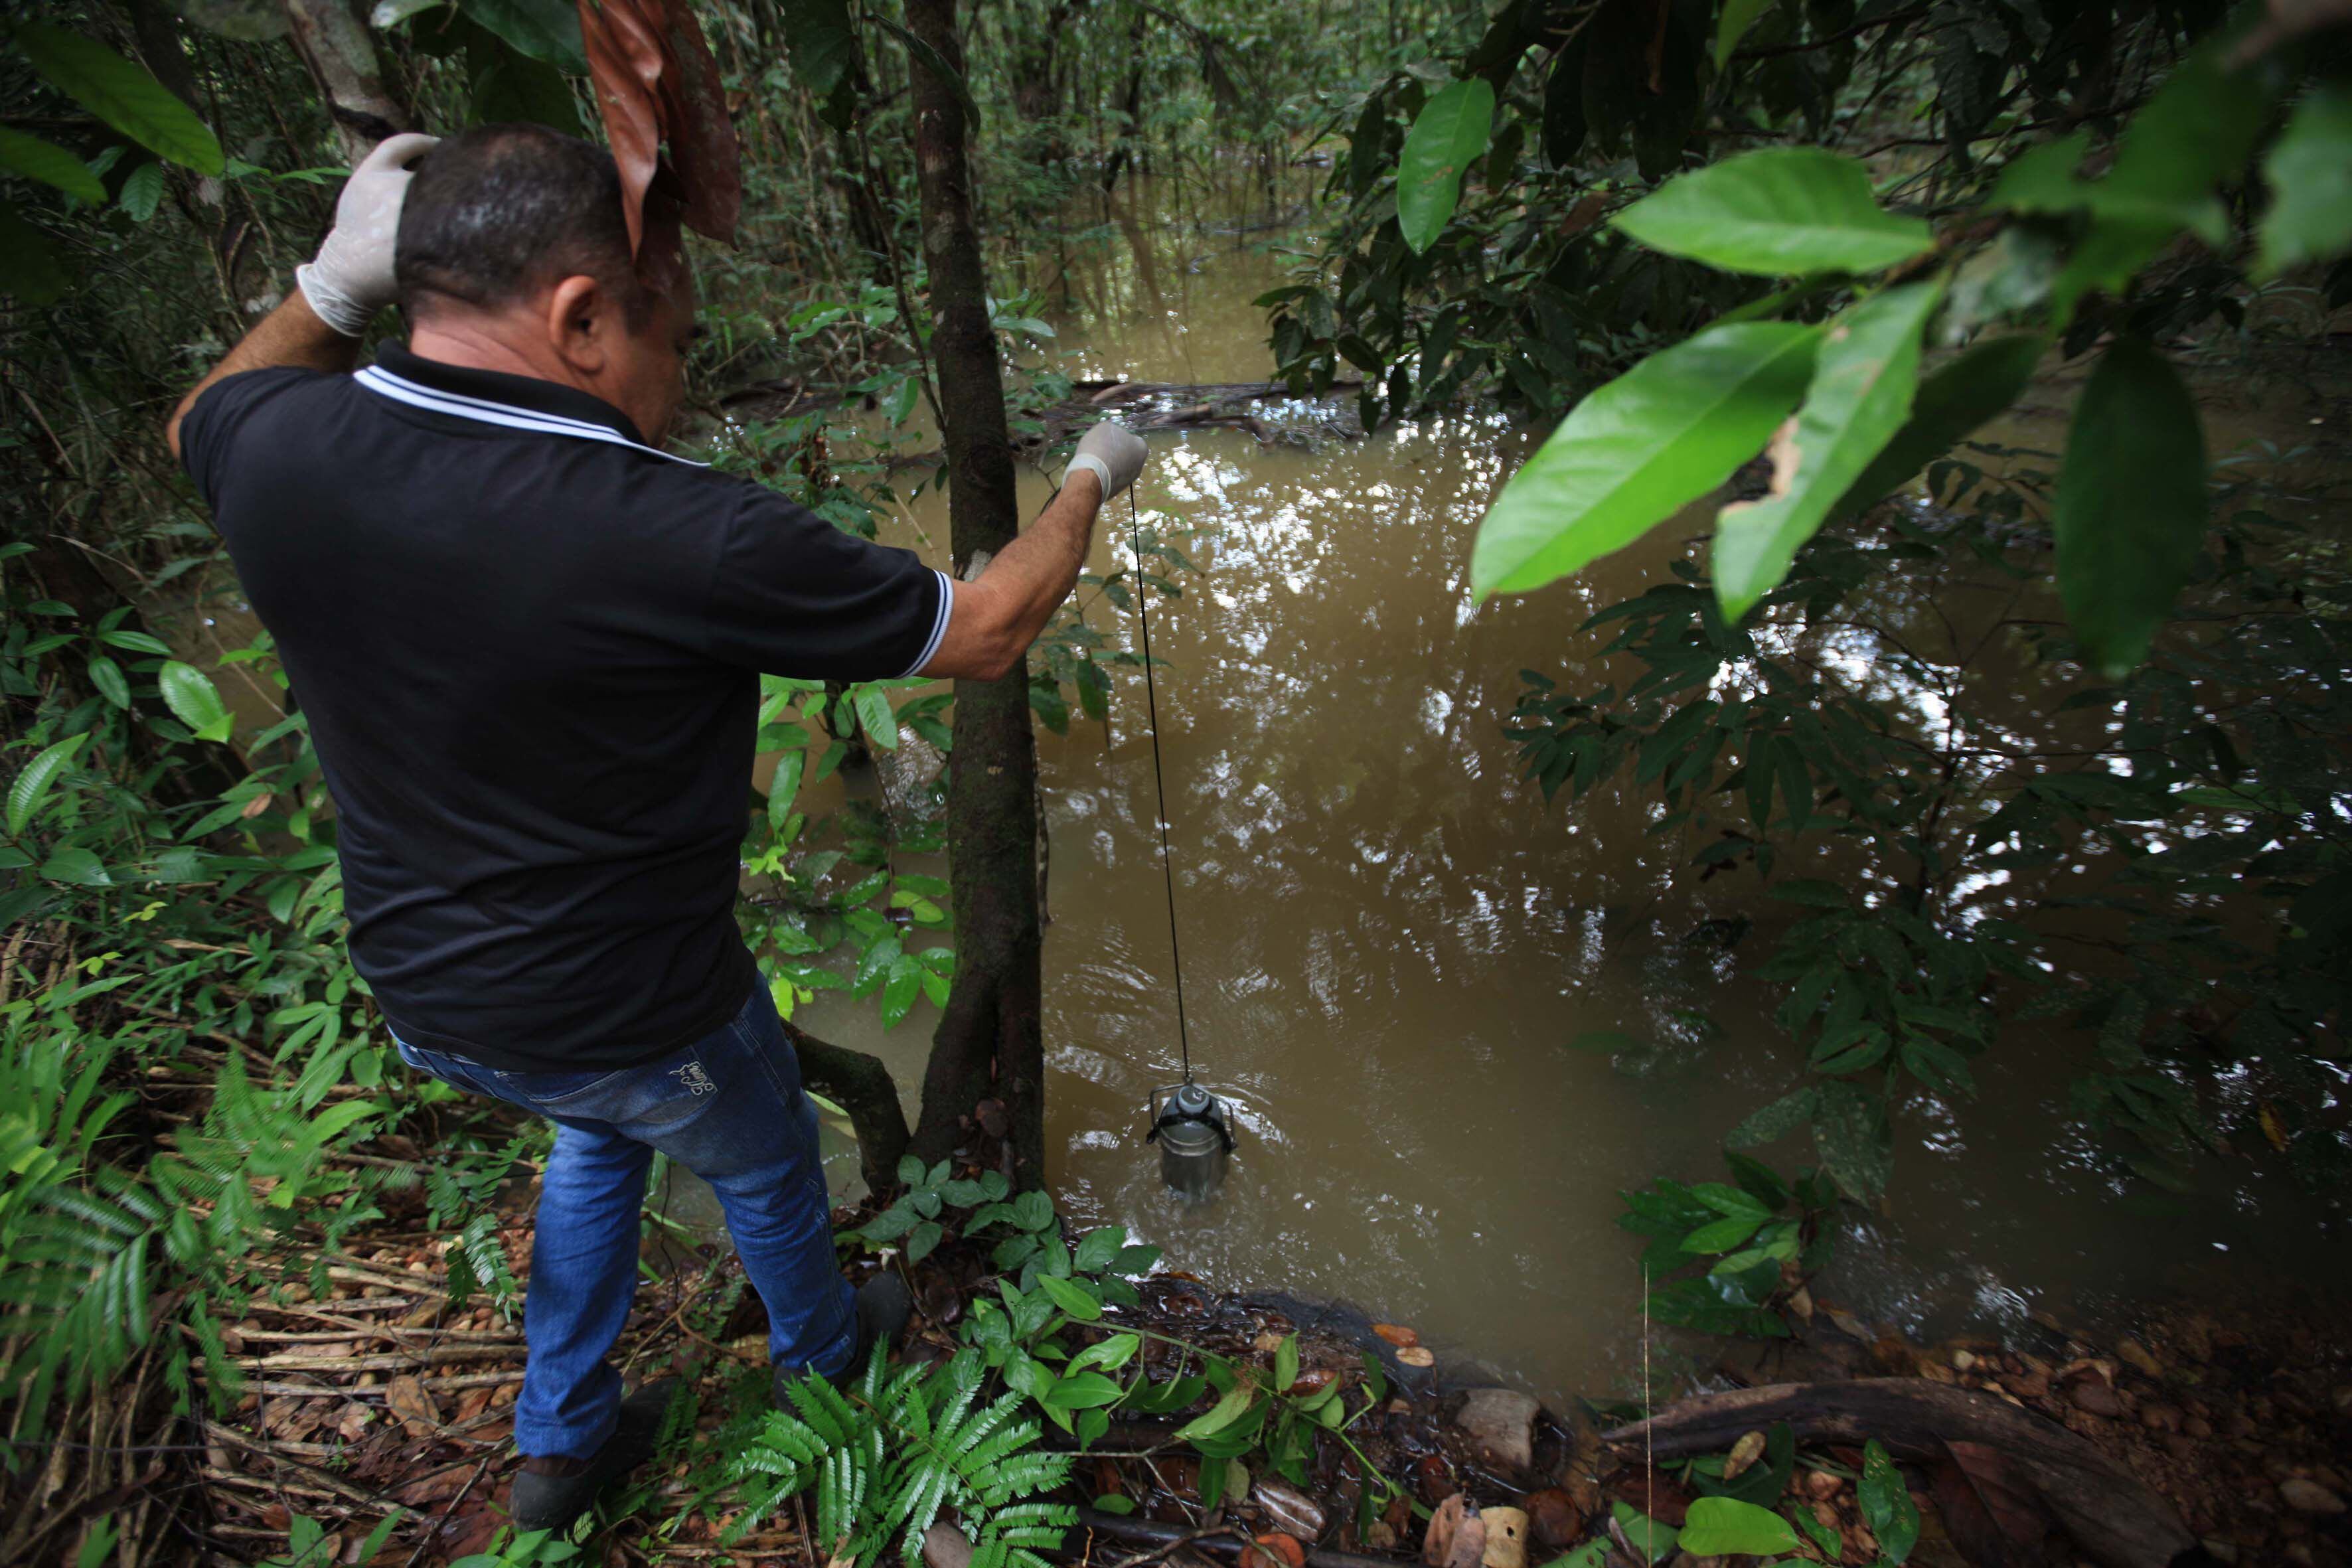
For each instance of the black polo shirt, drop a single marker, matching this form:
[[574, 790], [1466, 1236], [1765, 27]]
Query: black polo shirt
[[529, 646]]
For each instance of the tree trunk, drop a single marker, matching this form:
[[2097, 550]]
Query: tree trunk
[[333, 42], [984, 1087]]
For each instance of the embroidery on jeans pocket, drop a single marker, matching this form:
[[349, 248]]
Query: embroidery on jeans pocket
[[696, 1081]]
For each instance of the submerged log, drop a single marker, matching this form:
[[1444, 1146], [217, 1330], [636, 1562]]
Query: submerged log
[[2112, 1517]]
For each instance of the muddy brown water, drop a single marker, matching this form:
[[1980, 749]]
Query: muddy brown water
[[1391, 944]]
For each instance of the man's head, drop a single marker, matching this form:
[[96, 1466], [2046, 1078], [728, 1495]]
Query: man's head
[[512, 245]]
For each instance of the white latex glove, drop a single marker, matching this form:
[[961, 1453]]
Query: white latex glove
[[351, 278], [1114, 453]]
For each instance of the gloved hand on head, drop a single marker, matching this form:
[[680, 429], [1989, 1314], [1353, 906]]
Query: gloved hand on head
[[350, 277], [1113, 453]]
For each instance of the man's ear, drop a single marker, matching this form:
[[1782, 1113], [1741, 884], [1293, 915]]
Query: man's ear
[[583, 320]]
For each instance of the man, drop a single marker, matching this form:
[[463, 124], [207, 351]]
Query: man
[[528, 641]]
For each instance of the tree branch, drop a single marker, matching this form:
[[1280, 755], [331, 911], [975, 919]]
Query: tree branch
[[863, 1086]]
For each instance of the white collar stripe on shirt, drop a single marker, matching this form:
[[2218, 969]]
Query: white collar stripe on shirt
[[378, 380]]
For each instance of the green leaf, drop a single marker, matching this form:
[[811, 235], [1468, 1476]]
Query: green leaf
[[1862, 389], [1655, 439], [123, 95], [1776, 211], [1448, 136], [107, 675], [1286, 1363], [1951, 403], [544, 29], [874, 717], [1719, 1525], [1722, 1235], [1887, 1505], [1071, 1298], [1739, 16], [1033, 1210], [29, 264], [51, 164], [75, 865], [1110, 1354], [510, 86], [1219, 1415], [189, 693], [1732, 1201], [2310, 174], [2131, 509], [1083, 1391], [1112, 1502], [1654, 1538], [25, 791], [824, 48], [142, 192]]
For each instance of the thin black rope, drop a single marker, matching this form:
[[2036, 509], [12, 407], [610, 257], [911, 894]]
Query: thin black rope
[[1159, 786]]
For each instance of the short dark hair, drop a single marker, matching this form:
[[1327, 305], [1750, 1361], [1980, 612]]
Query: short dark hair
[[497, 212]]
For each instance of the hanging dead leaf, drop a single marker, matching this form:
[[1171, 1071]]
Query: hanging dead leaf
[[657, 83]]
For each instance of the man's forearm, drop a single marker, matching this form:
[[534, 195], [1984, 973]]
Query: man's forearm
[[292, 334], [999, 614]]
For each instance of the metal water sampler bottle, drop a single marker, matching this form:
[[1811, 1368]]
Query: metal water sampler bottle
[[1195, 1137]]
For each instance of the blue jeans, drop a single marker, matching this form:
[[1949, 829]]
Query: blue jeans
[[729, 1109]]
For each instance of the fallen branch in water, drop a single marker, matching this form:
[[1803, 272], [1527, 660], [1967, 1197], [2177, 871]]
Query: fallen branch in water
[[2112, 1517]]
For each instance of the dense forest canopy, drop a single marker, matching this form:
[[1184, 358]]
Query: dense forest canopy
[[1769, 273]]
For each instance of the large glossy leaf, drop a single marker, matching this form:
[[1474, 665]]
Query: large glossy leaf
[[1718, 1526], [2131, 511], [1448, 136], [1864, 380], [1951, 403], [49, 163], [189, 693], [1776, 211], [1656, 439], [2310, 172], [123, 95], [544, 29]]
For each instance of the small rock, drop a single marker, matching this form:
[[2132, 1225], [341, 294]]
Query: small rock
[[1962, 1360], [2095, 1398], [2309, 1497], [1290, 1509], [2137, 1354], [1267, 1342], [2343, 1400], [1556, 1522], [2196, 1426], [1380, 1537], [944, 1546], [1501, 1423], [1416, 1355], [2159, 1416], [1506, 1537], [2220, 1551]]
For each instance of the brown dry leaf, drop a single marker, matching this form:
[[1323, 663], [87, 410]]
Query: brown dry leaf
[[2272, 1128], [1396, 1334], [410, 1402], [1744, 1453], [1437, 1543], [656, 82], [1990, 1508], [1275, 1550], [1506, 1537]]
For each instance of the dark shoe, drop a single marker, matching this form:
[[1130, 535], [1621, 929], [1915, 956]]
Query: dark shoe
[[551, 1497], [883, 1309]]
